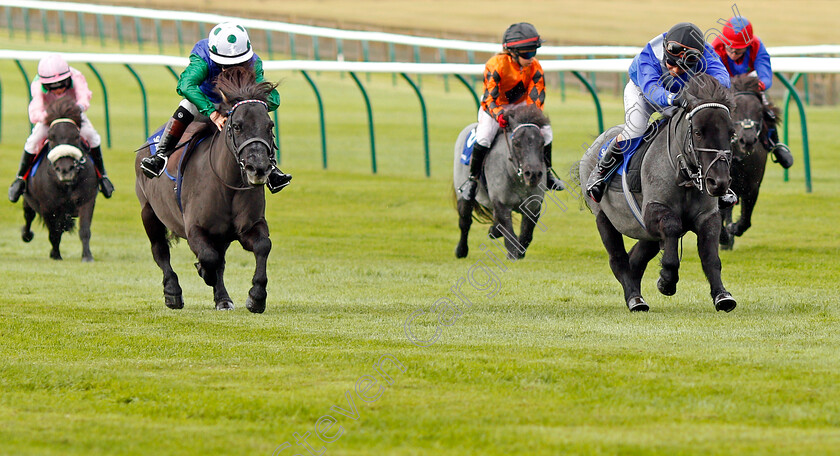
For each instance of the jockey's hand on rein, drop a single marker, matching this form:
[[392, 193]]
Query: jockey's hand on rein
[[502, 121]]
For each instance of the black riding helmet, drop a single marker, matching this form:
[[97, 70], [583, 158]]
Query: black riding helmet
[[683, 44], [521, 36]]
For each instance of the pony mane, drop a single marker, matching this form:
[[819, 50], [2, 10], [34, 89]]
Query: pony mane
[[64, 108], [744, 83], [704, 88], [529, 113], [239, 83]]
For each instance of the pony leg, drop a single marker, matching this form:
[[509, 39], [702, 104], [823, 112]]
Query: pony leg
[[209, 262], [640, 256], [220, 293], [526, 227], [748, 201], [503, 223], [465, 209], [664, 223], [707, 236], [85, 218], [156, 231], [256, 240], [619, 263], [727, 239], [55, 230], [28, 216]]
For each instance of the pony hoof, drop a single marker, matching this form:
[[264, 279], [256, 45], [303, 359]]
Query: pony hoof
[[461, 252], [27, 235], [224, 305], [725, 302], [637, 304], [494, 232], [88, 259], [667, 290], [55, 256], [254, 306], [174, 302]]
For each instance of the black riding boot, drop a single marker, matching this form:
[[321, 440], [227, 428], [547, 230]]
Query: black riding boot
[[551, 181], [470, 187], [153, 166], [277, 180], [19, 185], [780, 151], [597, 183], [105, 185]]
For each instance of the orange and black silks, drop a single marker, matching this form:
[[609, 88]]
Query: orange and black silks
[[505, 82]]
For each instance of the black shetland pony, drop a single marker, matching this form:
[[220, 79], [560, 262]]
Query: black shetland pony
[[222, 196], [749, 156], [65, 185]]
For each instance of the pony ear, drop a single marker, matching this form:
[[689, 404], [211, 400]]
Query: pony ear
[[692, 101]]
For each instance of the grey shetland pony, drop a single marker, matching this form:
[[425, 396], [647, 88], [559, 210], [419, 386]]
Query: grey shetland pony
[[749, 156], [222, 195], [682, 174], [65, 186], [515, 181]]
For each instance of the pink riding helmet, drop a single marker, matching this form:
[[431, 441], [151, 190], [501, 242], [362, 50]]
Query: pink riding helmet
[[53, 68]]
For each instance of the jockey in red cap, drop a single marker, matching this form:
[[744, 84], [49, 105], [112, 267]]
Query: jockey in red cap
[[743, 53]]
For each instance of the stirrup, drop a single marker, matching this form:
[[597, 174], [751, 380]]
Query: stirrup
[[729, 199], [285, 180], [469, 189], [17, 189], [106, 187], [148, 165]]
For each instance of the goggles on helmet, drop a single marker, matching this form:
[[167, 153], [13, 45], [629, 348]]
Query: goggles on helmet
[[680, 53], [526, 54], [63, 84]]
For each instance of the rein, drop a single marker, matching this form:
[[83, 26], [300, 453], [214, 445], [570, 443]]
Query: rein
[[237, 149], [691, 166], [517, 162]]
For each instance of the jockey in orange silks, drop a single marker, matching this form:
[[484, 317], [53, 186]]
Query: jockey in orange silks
[[511, 78]]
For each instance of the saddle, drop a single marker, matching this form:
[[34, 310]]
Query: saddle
[[632, 165], [195, 133]]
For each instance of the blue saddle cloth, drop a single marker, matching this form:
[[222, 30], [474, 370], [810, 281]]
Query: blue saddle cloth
[[634, 151], [466, 153]]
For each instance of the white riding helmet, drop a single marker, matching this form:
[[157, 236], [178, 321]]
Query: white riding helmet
[[229, 44]]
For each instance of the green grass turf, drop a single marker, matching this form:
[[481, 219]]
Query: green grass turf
[[92, 363]]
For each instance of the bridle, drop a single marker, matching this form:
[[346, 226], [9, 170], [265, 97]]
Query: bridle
[[236, 150], [68, 150], [748, 124], [689, 161], [517, 161]]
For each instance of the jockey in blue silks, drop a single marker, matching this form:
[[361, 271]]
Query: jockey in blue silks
[[657, 76]]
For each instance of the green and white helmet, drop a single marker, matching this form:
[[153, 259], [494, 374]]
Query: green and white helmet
[[229, 44]]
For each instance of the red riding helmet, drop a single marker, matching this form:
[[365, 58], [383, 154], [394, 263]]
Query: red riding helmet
[[738, 32]]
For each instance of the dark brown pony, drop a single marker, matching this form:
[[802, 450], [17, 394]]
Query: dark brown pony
[[222, 194], [749, 155], [65, 185]]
